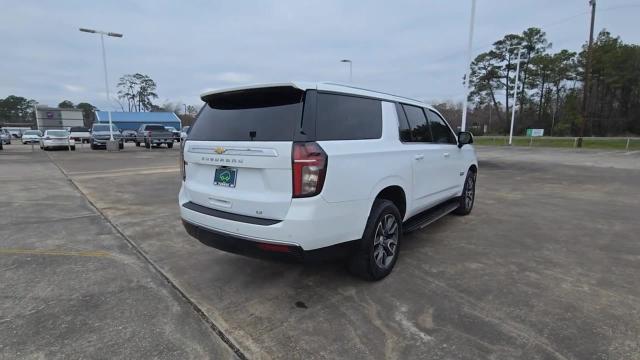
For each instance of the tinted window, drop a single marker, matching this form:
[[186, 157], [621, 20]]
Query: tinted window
[[417, 123], [264, 114], [78, 129], [104, 127], [405, 131], [154, 128], [343, 117], [441, 132]]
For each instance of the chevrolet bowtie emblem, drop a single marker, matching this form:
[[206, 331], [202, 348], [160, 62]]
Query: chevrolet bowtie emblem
[[220, 150]]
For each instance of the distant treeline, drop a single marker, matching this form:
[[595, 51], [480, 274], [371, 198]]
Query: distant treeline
[[551, 87]]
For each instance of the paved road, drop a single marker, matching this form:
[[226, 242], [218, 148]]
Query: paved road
[[72, 287], [546, 267]]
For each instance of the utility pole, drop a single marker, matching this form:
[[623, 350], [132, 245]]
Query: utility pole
[[587, 75], [463, 124], [515, 94]]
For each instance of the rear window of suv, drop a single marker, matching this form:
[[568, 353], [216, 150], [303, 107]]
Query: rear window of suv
[[261, 114], [342, 117], [154, 128]]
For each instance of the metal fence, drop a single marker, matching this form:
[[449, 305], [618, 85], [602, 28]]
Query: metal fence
[[614, 143]]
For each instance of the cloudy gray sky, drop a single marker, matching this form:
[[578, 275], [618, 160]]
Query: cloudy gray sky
[[412, 48]]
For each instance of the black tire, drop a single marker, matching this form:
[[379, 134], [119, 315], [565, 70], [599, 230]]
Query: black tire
[[93, 146], [137, 144], [371, 261], [147, 144], [468, 197], [73, 148], [120, 146], [170, 145]]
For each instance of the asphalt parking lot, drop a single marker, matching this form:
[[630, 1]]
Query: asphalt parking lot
[[95, 263]]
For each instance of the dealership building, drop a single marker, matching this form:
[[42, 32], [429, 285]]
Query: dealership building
[[132, 120], [57, 118]]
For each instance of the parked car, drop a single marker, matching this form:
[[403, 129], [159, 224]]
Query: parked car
[[184, 132], [100, 134], [31, 137], [80, 134], [16, 132], [129, 135], [5, 137], [153, 134], [176, 133], [345, 177], [52, 139]]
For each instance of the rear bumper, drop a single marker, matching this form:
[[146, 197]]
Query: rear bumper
[[103, 142], [53, 144], [310, 223], [263, 250]]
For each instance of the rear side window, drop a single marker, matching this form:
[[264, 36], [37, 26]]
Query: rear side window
[[441, 132], [341, 117], [417, 124], [261, 114]]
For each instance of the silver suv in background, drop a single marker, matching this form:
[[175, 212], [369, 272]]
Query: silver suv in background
[[100, 134]]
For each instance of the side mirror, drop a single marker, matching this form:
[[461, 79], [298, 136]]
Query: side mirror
[[464, 138]]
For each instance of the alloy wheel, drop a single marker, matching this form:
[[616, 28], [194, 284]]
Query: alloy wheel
[[469, 192], [385, 241]]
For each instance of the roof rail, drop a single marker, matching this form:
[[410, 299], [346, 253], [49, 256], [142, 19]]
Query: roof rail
[[374, 91]]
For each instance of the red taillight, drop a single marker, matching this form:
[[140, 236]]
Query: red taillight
[[309, 164], [183, 163]]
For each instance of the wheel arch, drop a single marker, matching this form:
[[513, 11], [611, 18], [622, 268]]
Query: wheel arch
[[396, 195]]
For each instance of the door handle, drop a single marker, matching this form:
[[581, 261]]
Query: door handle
[[419, 157], [446, 155]]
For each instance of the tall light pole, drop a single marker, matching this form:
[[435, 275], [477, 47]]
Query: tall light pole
[[515, 93], [587, 77], [463, 124], [350, 69], [104, 63]]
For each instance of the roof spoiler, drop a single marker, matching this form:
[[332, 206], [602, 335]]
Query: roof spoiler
[[254, 97]]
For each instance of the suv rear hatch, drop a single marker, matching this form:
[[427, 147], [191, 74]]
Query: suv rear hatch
[[238, 153]]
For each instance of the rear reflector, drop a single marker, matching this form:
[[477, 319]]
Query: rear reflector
[[274, 248]]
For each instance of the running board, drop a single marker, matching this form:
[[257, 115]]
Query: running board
[[427, 217]]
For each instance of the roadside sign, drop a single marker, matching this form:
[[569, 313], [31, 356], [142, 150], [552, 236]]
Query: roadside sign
[[535, 132]]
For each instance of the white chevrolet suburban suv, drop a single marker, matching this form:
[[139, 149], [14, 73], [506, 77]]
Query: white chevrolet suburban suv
[[313, 170]]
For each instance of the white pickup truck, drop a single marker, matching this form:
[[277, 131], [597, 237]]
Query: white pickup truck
[[80, 134]]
